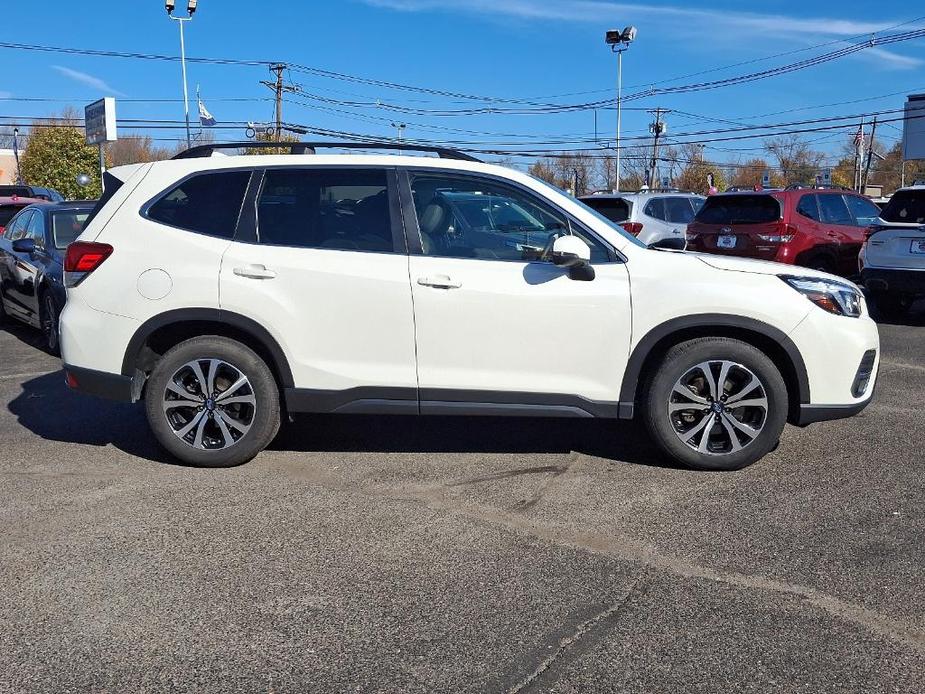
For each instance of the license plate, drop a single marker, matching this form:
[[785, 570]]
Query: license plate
[[918, 246], [726, 242]]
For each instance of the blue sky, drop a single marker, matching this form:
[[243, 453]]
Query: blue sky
[[550, 51]]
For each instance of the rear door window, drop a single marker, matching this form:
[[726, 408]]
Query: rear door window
[[207, 203], [338, 209], [906, 207], [739, 209], [863, 210], [615, 209], [808, 206], [18, 228], [679, 210], [656, 209], [834, 210]]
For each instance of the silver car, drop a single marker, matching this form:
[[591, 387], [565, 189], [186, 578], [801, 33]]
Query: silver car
[[651, 216]]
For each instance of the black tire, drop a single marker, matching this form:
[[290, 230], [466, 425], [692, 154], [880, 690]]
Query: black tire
[[682, 362], [263, 416], [3, 318], [49, 316]]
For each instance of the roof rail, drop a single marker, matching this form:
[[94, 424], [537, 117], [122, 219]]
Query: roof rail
[[813, 186], [207, 150]]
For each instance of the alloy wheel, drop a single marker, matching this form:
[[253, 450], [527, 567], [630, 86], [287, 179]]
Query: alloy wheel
[[718, 407], [209, 404]]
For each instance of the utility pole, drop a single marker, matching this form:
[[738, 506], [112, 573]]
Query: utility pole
[[278, 88], [858, 145], [870, 154], [656, 128]]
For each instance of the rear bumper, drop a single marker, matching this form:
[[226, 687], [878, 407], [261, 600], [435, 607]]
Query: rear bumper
[[907, 281], [101, 384]]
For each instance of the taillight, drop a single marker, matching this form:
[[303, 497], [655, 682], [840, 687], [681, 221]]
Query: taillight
[[785, 234], [82, 258], [632, 227]]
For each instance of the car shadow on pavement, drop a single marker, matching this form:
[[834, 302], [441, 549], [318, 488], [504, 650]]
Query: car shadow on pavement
[[915, 318], [48, 408]]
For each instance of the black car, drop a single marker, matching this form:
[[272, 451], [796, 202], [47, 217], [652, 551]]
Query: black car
[[24, 191], [32, 263]]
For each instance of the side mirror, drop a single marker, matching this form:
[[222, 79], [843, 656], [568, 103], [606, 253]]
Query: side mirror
[[24, 246], [570, 252], [671, 243]]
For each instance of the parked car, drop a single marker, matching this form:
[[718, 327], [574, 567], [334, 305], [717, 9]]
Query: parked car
[[32, 250], [649, 216], [11, 206], [819, 228], [37, 192], [892, 261], [224, 291]]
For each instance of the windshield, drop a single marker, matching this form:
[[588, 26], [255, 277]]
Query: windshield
[[7, 212], [906, 207], [739, 209], [614, 209], [66, 226]]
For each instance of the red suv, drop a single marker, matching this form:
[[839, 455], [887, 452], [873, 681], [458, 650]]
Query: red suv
[[817, 228]]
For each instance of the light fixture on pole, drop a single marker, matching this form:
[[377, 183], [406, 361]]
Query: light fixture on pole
[[619, 41], [190, 11]]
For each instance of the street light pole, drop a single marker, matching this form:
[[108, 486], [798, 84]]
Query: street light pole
[[619, 42], [191, 9]]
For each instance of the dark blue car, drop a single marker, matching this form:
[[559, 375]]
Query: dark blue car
[[32, 263]]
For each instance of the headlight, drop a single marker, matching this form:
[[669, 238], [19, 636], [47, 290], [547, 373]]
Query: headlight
[[839, 298]]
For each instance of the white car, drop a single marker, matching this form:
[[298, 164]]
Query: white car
[[653, 217], [892, 259], [228, 291]]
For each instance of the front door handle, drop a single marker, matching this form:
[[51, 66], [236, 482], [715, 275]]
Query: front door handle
[[440, 282], [255, 272]]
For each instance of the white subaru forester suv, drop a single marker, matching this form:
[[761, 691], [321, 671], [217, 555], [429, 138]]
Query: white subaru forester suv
[[230, 291]]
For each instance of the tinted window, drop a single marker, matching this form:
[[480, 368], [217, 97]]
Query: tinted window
[[344, 209], [906, 207], [462, 217], [614, 209], [809, 207], [10, 191], [17, 229], [863, 210], [7, 212], [834, 210], [207, 204], [655, 208], [739, 209], [67, 225], [679, 210], [36, 229]]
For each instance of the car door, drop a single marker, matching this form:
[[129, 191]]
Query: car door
[[28, 268], [321, 263], [655, 225], [10, 271], [497, 328], [864, 213], [841, 229]]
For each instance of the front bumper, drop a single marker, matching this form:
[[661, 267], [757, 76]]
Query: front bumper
[[810, 414], [904, 281]]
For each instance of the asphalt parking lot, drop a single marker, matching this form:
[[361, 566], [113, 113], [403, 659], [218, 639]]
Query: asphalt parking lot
[[403, 555]]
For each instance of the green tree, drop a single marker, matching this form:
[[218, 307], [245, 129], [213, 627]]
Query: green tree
[[56, 153]]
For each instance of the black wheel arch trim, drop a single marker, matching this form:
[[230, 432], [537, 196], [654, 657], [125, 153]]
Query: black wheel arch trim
[[633, 373], [211, 315]]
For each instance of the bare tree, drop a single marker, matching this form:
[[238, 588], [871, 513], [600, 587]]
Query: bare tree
[[797, 161]]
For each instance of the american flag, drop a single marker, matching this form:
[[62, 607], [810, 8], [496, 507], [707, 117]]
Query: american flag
[[859, 136]]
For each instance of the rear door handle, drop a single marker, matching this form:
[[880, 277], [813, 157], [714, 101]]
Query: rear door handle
[[439, 282], [255, 272]]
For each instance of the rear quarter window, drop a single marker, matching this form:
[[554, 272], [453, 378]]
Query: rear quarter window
[[739, 209], [906, 207], [207, 203], [614, 209]]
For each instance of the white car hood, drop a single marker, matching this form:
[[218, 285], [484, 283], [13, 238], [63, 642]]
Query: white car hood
[[759, 267]]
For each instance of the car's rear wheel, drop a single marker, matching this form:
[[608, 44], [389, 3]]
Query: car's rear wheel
[[213, 402], [716, 404], [49, 318]]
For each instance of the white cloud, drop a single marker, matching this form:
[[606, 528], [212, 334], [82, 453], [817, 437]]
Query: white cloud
[[776, 28], [89, 80]]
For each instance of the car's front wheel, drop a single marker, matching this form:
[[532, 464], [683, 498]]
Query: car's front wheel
[[213, 402], [716, 404], [50, 316]]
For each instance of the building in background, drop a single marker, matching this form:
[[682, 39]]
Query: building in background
[[8, 166]]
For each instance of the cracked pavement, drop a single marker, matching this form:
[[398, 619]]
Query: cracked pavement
[[403, 555]]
